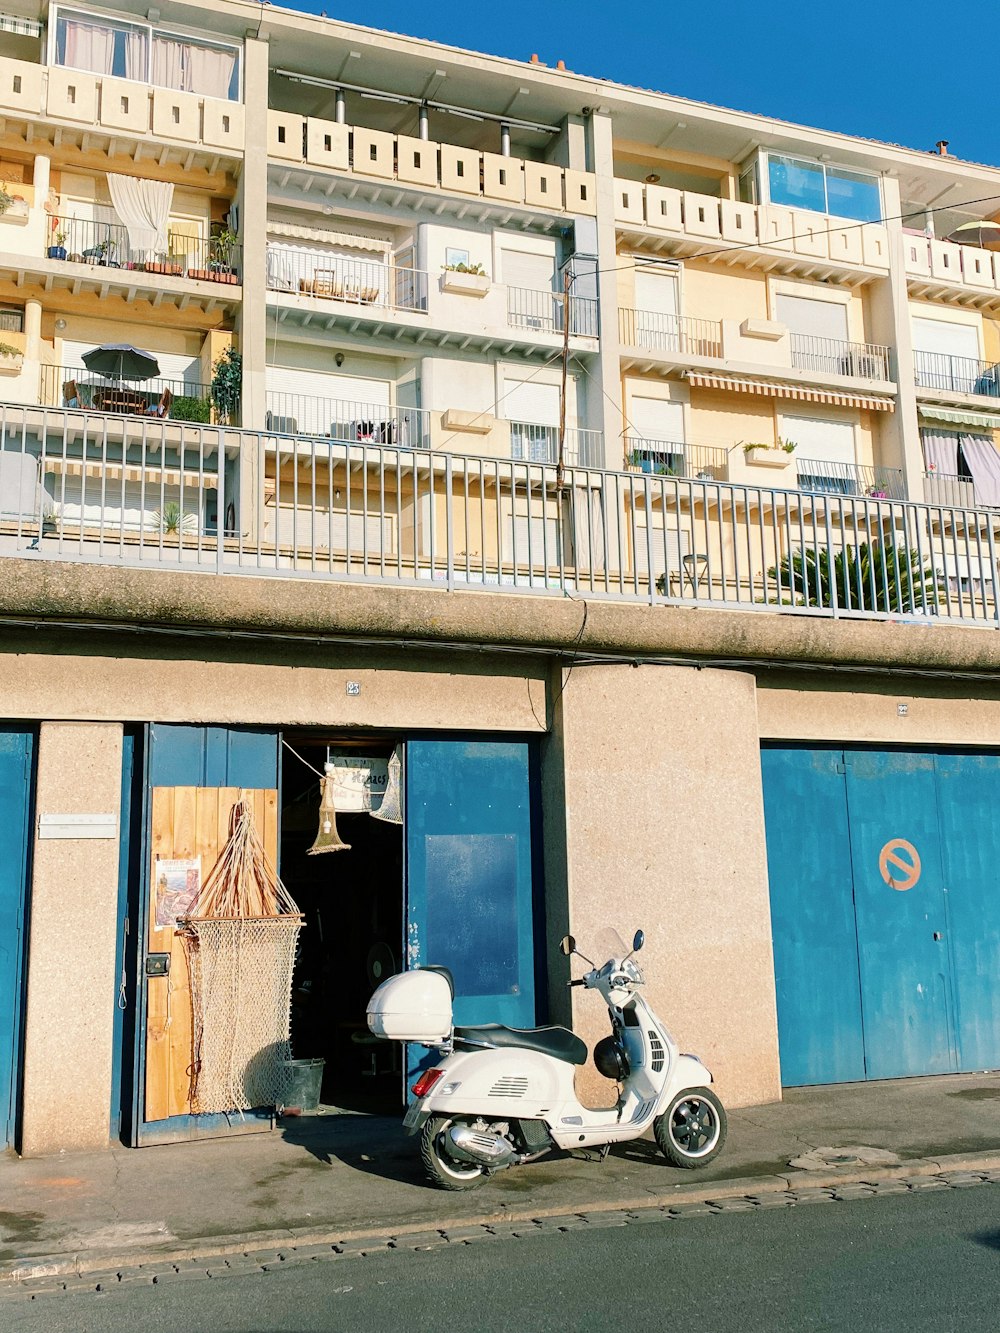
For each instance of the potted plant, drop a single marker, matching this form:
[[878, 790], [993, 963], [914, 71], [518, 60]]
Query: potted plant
[[13, 207], [227, 386], [11, 359], [5, 199], [465, 279], [220, 267], [58, 248], [768, 455], [173, 519], [186, 407]]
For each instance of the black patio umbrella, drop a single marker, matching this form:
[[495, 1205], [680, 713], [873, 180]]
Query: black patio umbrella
[[121, 361]]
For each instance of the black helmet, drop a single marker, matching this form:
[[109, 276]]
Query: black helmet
[[610, 1059]]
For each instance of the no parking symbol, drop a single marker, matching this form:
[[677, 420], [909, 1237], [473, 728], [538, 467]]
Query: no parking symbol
[[899, 862]]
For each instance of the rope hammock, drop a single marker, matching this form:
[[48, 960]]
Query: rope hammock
[[240, 942]]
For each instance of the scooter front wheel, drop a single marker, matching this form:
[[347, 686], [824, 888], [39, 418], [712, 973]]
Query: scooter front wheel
[[692, 1130], [443, 1170]]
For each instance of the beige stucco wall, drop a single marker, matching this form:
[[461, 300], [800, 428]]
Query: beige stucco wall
[[68, 1039], [664, 829]]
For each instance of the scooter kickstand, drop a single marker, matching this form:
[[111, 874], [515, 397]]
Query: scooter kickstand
[[605, 1149]]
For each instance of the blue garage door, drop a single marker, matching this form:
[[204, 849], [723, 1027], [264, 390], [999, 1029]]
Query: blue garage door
[[15, 828], [885, 912]]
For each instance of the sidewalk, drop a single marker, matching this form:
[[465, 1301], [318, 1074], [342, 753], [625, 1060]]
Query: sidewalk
[[330, 1177]]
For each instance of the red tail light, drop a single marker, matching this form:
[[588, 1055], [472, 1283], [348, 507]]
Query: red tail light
[[426, 1081]]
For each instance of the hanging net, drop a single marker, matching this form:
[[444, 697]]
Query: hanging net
[[391, 809], [327, 838], [240, 942]]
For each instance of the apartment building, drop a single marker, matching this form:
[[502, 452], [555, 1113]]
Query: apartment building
[[625, 465]]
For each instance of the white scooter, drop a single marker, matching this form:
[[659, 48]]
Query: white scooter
[[502, 1096]]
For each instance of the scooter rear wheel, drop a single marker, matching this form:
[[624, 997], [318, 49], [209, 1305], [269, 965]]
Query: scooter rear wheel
[[692, 1130], [443, 1170]]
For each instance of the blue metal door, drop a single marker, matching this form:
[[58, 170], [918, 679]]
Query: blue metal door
[[16, 751], [969, 788], [900, 911], [469, 881], [191, 756], [812, 917]]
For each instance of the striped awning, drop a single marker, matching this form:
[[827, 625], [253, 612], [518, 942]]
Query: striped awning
[[348, 239], [152, 476], [20, 27], [954, 417], [779, 389]]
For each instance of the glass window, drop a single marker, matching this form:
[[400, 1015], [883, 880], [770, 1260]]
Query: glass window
[[796, 183], [852, 194], [193, 67], [101, 46]]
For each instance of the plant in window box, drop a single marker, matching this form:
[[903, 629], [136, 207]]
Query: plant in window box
[[768, 455], [465, 279], [5, 200], [11, 358]]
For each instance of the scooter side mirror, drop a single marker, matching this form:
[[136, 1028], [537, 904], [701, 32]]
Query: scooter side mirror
[[568, 945], [638, 940]]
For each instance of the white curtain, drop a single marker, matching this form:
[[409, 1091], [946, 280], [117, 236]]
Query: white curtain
[[89, 47], [144, 207], [940, 452], [984, 464], [135, 56], [168, 63], [208, 70]]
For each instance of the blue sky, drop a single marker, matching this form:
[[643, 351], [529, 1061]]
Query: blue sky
[[905, 71]]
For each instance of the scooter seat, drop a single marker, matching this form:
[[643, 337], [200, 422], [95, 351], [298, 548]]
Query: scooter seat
[[555, 1041]]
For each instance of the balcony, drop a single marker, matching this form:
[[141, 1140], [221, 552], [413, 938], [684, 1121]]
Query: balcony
[[534, 443], [820, 477], [830, 356], [668, 458], [106, 245], [527, 309], [74, 387], [943, 373], [233, 502], [346, 421], [943, 270], [674, 334]]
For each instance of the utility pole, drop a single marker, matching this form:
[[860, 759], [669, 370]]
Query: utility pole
[[561, 460]]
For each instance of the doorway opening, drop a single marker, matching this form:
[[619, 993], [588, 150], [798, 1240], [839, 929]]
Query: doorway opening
[[352, 903]]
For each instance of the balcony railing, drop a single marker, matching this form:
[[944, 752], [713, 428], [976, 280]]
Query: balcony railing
[[194, 497], [668, 458], [176, 399], [358, 283], [527, 309], [338, 419], [821, 476], [670, 333], [106, 245], [956, 374], [540, 444], [830, 356]]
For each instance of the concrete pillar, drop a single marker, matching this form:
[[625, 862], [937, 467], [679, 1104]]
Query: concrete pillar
[[253, 215], [890, 324], [69, 1014], [568, 148], [30, 377], [654, 818], [603, 384]]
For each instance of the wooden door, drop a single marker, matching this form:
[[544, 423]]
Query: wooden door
[[185, 822]]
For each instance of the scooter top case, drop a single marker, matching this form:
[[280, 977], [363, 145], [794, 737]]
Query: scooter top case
[[413, 1006]]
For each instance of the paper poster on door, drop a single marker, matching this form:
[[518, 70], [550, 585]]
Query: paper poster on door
[[178, 883]]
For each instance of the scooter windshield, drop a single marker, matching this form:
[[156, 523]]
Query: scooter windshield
[[609, 944]]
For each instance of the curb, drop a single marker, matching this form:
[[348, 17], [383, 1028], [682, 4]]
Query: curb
[[20, 1270]]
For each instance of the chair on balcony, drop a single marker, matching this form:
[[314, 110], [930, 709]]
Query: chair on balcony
[[71, 394]]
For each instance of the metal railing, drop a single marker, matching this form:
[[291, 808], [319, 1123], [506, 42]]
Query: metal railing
[[535, 443], [670, 333], [669, 458], [353, 282], [338, 419], [956, 374], [128, 491], [11, 321], [528, 309], [106, 245], [77, 387], [831, 356], [821, 475]]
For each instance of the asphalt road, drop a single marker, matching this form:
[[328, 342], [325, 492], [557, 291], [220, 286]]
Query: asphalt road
[[923, 1261]]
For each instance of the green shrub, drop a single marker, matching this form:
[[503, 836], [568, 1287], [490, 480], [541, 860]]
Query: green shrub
[[875, 577], [187, 408]]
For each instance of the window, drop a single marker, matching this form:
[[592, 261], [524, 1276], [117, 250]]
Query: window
[[11, 320], [824, 454], [146, 55], [946, 356], [818, 333], [819, 187]]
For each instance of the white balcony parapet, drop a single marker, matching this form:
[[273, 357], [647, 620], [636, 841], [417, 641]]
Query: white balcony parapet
[[928, 261], [723, 223], [357, 151]]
